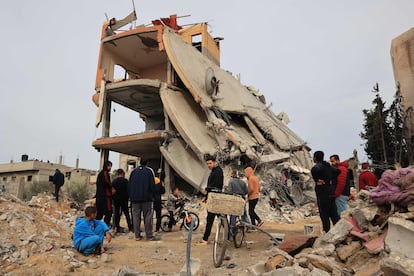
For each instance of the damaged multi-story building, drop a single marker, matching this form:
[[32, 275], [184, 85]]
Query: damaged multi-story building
[[191, 107]]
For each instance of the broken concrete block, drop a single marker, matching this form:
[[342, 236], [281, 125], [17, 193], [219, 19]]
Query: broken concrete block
[[275, 263], [319, 272], [395, 264], [400, 237], [324, 263], [257, 269], [312, 229], [348, 250], [294, 244], [338, 233], [288, 271], [363, 216]]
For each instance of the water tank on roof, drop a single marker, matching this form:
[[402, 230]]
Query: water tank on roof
[[25, 157]]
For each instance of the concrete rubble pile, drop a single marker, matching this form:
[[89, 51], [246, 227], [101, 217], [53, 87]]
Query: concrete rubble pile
[[36, 228], [367, 234]]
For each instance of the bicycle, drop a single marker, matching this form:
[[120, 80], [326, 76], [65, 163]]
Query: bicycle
[[180, 213], [225, 230]]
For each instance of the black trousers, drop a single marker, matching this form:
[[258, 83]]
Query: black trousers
[[209, 225], [327, 212], [121, 206], [57, 189], [252, 213], [103, 205], [157, 211]]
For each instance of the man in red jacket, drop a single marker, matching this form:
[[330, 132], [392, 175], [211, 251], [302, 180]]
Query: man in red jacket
[[342, 190], [367, 178]]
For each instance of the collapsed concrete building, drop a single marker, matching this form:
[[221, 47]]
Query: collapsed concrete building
[[191, 107]]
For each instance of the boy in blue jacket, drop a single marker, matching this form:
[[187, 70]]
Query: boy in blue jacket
[[89, 233]]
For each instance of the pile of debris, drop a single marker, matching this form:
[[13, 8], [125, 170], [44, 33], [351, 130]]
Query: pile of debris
[[367, 233], [34, 228]]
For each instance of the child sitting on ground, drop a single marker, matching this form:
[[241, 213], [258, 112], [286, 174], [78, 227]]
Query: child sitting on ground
[[89, 233], [173, 199]]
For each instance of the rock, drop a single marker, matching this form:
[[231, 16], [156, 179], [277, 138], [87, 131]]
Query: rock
[[275, 262], [347, 250], [338, 233], [288, 271], [324, 263], [125, 271], [257, 269], [3, 217], [195, 265], [24, 254], [363, 216], [376, 245], [318, 272], [400, 237], [105, 258]]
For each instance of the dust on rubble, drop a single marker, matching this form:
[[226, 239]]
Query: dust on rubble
[[36, 240]]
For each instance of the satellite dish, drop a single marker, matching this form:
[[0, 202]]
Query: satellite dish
[[211, 83]]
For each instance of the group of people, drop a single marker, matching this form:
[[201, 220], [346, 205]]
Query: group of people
[[143, 190], [332, 186], [235, 186]]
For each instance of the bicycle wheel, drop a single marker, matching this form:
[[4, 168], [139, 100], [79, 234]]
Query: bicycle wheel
[[165, 219], [191, 217], [220, 241], [238, 234]]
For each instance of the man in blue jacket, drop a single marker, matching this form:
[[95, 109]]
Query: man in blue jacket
[[141, 188], [89, 233]]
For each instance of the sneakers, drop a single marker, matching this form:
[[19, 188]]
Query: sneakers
[[139, 238], [153, 238], [260, 223], [202, 242]]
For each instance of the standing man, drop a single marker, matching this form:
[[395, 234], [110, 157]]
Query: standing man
[[104, 194], [343, 186], [367, 178], [58, 181], [238, 187], [120, 198], [214, 183], [141, 190], [253, 186], [159, 191], [322, 174]]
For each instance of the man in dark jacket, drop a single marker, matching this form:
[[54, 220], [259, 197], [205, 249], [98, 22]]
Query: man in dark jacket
[[215, 184], [103, 194], [141, 190], [322, 174], [120, 199], [58, 181]]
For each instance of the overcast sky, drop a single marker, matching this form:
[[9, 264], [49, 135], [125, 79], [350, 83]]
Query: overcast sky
[[314, 60]]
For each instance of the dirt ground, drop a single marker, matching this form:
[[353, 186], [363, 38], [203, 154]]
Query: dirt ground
[[163, 257]]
